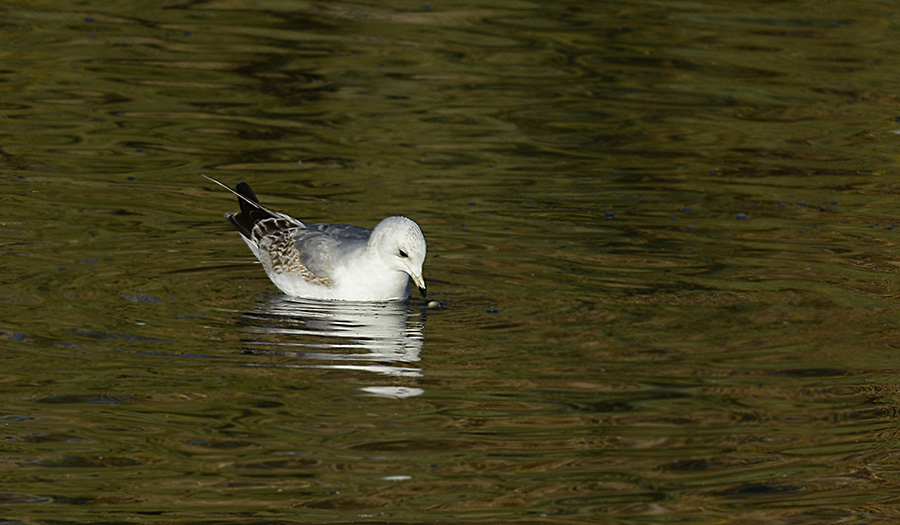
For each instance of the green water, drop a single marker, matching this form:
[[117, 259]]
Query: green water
[[661, 236]]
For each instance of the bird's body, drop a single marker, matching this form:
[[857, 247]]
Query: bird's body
[[331, 261]]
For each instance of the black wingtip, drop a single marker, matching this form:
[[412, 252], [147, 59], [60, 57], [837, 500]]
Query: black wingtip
[[249, 214], [244, 189], [422, 291]]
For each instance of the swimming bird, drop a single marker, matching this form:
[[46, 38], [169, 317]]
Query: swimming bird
[[331, 261]]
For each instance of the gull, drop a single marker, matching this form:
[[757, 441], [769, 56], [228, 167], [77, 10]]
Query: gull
[[331, 261]]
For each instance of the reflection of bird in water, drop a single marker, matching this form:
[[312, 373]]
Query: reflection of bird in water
[[383, 338], [331, 261]]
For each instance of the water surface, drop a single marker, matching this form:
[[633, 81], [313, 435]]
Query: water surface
[[662, 243]]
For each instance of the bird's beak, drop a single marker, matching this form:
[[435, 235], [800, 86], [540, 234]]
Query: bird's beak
[[420, 283]]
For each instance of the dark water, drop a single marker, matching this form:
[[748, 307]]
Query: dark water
[[663, 238]]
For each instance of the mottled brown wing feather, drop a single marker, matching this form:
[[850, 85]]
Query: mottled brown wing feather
[[279, 253], [286, 248]]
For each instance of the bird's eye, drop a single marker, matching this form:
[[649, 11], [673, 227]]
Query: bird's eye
[[403, 254]]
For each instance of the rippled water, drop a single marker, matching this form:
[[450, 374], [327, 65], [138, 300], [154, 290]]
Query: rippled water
[[662, 237]]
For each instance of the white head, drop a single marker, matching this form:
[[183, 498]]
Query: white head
[[400, 243]]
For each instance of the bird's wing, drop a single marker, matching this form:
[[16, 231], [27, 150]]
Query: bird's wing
[[345, 231], [311, 253]]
